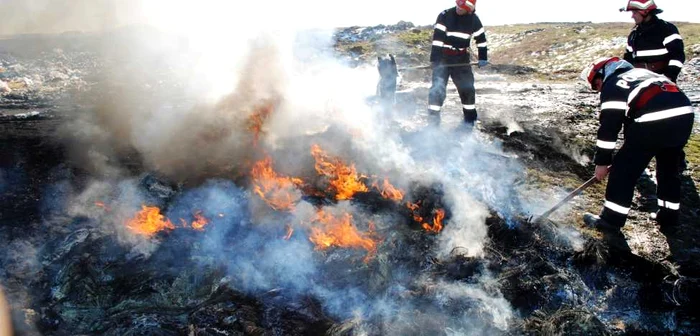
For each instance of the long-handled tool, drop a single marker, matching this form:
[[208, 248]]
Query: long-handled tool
[[442, 65], [568, 197]]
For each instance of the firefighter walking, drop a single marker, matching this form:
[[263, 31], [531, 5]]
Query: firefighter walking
[[454, 29], [657, 119]]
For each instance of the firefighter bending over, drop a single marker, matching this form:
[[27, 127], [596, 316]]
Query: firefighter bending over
[[658, 120]]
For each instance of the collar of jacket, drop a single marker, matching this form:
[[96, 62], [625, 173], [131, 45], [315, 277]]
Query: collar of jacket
[[647, 25]]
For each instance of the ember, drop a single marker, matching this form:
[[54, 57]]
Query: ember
[[149, 221], [103, 206]]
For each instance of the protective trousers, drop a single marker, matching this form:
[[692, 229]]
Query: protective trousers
[[628, 165], [463, 78]]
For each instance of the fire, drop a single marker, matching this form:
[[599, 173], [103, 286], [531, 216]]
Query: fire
[[149, 221], [438, 217], [436, 227], [340, 232], [343, 179], [199, 221], [256, 121], [277, 192], [388, 191]]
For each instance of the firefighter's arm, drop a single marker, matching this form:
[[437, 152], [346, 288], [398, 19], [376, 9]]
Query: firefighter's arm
[[629, 51], [612, 116], [439, 35], [480, 39], [674, 44]]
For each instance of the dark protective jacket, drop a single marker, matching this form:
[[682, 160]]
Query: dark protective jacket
[[655, 113], [656, 41], [453, 34]]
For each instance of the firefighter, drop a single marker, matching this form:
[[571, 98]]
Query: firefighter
[[654, 44], [454, 29], [657, 119]]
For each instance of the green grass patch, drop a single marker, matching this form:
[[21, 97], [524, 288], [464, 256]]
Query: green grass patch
[[692, 155]]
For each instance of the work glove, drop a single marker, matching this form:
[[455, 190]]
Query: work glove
[[483, 63]]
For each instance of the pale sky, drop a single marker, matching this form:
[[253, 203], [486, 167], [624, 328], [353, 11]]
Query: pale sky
[[31, 16]]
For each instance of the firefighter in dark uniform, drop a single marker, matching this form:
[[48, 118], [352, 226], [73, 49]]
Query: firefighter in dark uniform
[[654, 44], [657, 119], [454, 29]]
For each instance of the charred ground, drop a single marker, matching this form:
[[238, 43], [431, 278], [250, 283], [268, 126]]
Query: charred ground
[[73, 278]]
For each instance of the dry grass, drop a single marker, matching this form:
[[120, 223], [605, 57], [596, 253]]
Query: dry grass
[[557, 50]]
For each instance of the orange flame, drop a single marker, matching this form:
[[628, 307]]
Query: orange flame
[[436, 227], [256, 121], [388, 191], [199, 221], [149, 221], [340, 232], [276, 191], [438, 217], [343, 179]]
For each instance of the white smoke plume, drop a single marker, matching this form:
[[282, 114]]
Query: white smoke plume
[[179, 100]]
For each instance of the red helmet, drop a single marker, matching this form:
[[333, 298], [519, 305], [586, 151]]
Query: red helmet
[[596, 68], [640, 5], [467, 5]]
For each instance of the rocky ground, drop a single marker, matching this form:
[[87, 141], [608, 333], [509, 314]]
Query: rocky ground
[[532, 115]]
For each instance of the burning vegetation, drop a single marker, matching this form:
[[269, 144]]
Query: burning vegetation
[[310, 236]]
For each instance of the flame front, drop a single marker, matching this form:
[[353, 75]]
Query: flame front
[[149, 221], [343, 178], [277, 192], [340, 232]]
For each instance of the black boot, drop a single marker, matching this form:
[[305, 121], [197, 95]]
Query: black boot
[[433, 119], [612, 235], [668, 221]]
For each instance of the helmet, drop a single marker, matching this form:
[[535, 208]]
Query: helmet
[[467, 5], [646, 6], [597, 68]]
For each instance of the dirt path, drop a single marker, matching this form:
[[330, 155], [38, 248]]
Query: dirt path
[[551, 128]]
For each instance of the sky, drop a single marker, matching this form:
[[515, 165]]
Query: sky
[[34, 16]]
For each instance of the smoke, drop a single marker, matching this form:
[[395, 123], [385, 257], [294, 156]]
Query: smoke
[[57, 16], [198, 98]]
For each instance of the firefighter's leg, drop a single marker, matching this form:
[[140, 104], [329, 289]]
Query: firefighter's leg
[[463, 78], [628, 165], [437, 94], [669, 185]]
